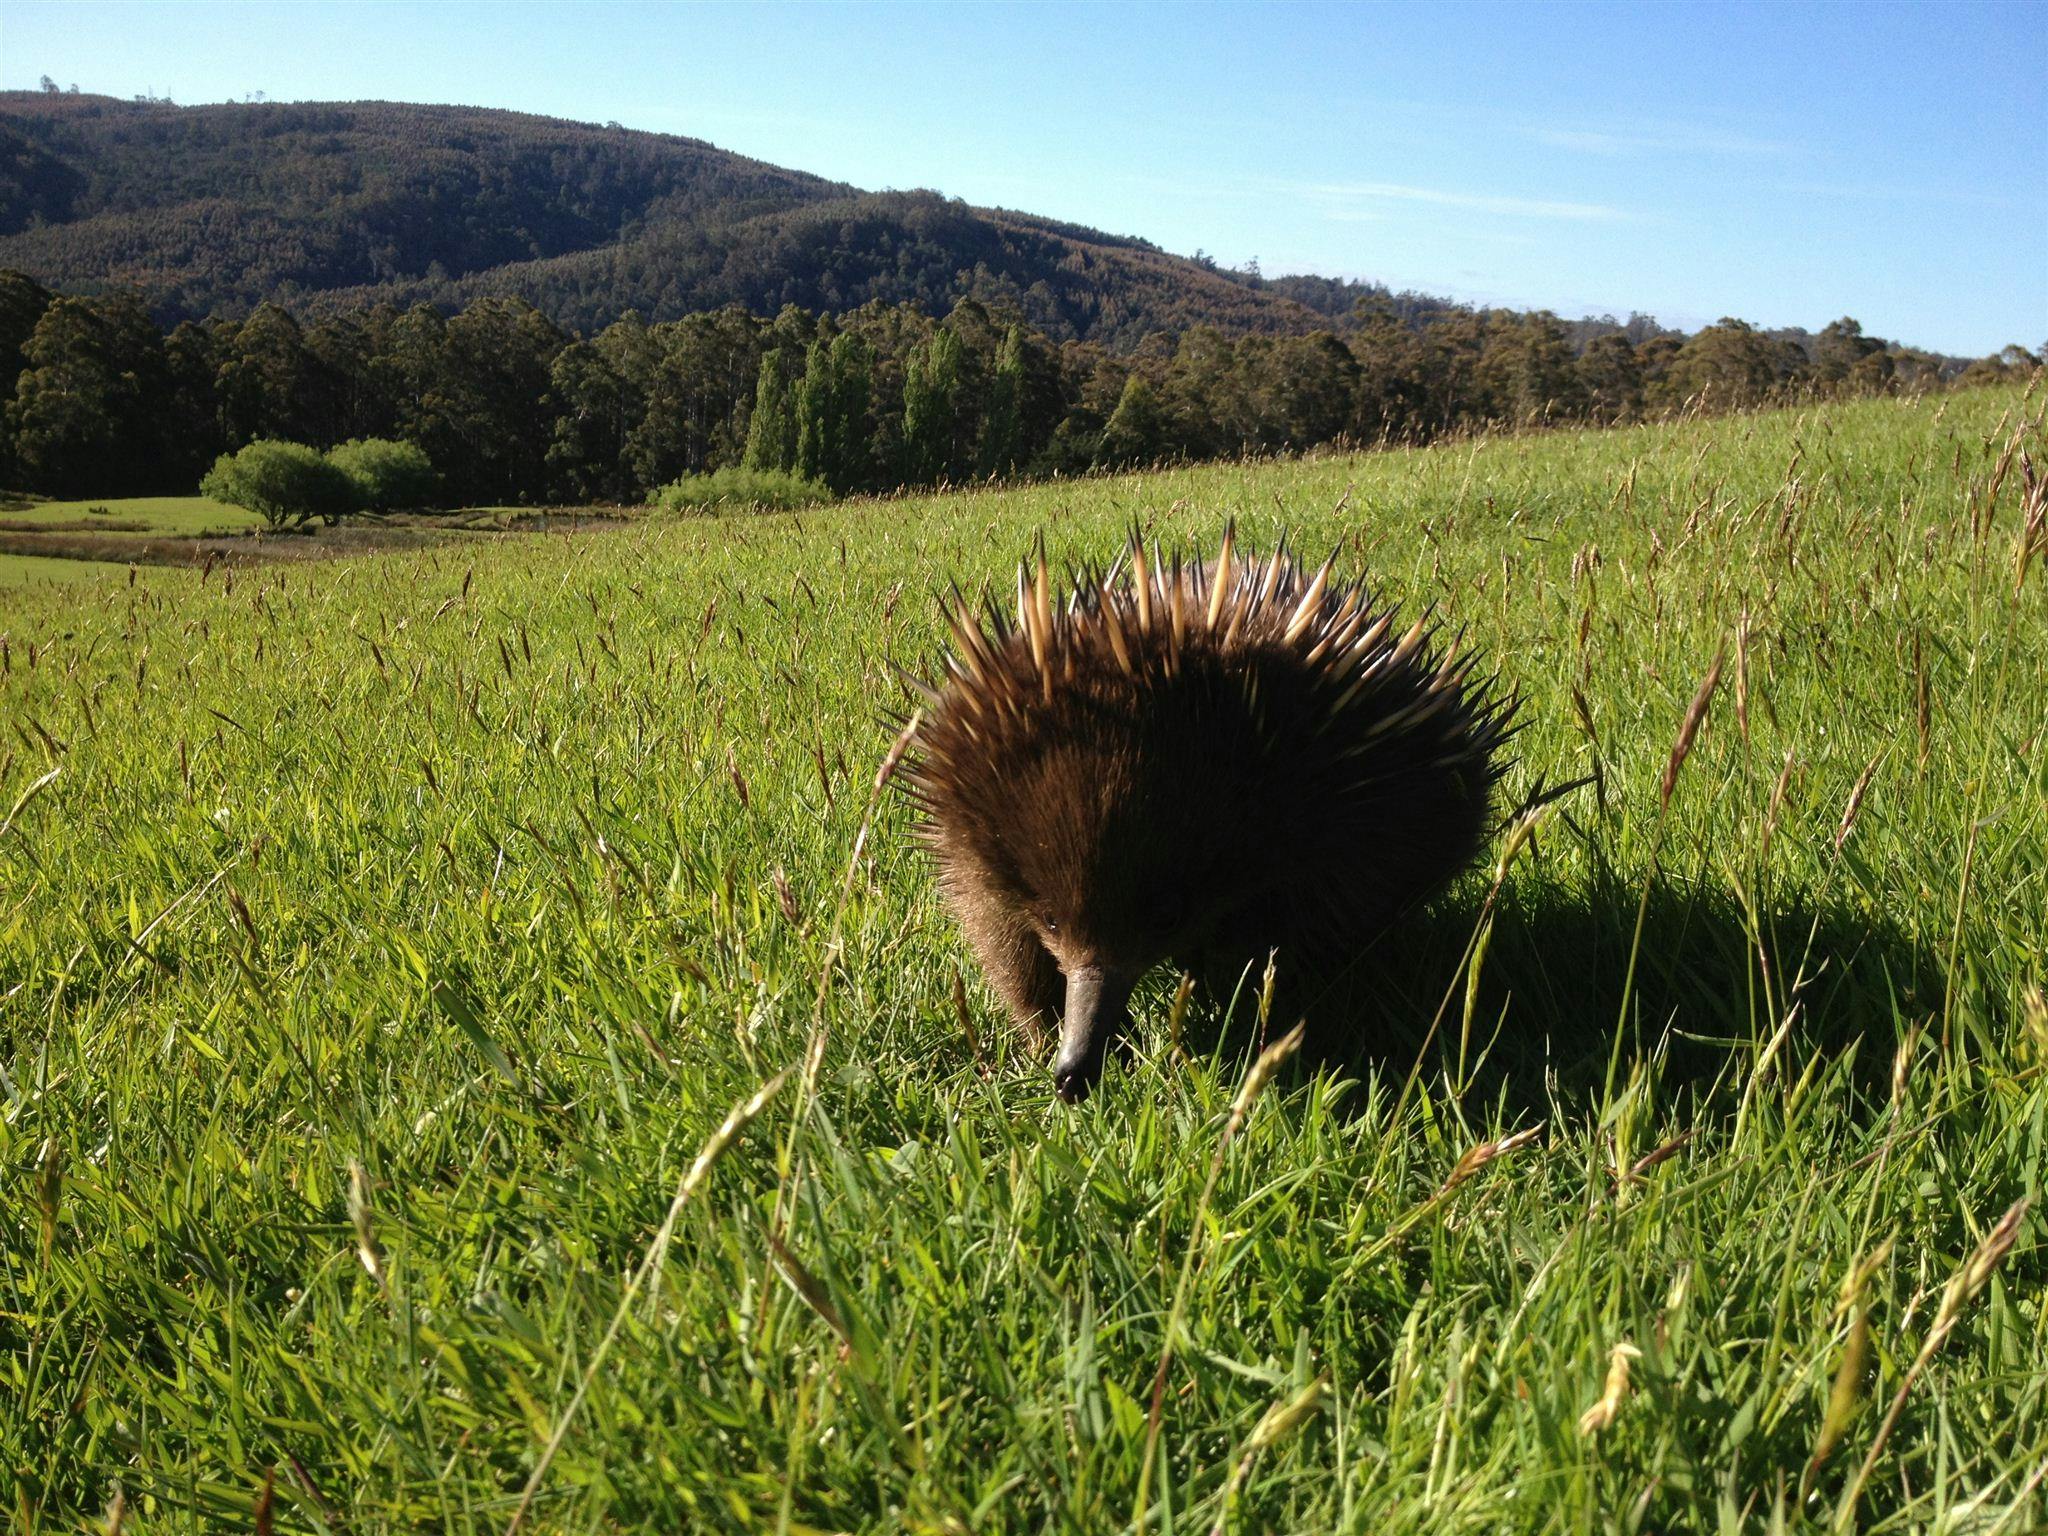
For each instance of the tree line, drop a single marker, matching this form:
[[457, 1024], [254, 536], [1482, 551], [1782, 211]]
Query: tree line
[[511, 407]]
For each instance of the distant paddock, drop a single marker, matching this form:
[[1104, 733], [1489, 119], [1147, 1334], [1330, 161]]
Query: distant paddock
[[198, 531]]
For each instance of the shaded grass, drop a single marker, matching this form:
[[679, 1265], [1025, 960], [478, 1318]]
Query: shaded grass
[[465, 867]]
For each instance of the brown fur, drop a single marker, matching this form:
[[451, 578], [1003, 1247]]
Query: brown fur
[[1199, 762]]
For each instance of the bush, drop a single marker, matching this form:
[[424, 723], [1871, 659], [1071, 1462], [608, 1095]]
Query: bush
[[742, 490], [388, 476], [286, 484]]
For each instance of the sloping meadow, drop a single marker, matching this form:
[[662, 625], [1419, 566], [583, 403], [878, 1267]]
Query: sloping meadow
[[480, 1054]]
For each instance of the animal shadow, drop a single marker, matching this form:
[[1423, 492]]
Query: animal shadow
[[1565, 989]]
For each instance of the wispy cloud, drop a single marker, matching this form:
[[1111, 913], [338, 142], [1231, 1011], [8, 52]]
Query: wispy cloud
[[1659, 141], [1356, 200], [1965, 197]]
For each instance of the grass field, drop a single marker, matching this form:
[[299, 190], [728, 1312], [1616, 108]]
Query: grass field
[[56, 541], [26, 570], [187, 516], [384, 944], [81, 540]]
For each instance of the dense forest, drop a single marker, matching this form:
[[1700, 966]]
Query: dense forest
[[512, 407]]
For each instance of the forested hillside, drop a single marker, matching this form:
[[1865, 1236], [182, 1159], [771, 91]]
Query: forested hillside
[[557, 311], [331, 207], [97, 400]]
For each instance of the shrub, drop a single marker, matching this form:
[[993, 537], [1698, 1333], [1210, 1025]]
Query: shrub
[[388, 476], [286, 484], [742, 490]]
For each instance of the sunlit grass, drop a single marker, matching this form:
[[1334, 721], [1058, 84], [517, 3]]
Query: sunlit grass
[[26, 570], [188, 516], [396, 933]]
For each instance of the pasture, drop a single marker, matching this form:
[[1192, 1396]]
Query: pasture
[[26, 570], [187, 516], [480, 1055]]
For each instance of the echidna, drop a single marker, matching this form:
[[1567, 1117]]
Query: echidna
[[1195, 761]]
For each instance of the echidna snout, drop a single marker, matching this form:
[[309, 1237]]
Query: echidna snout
[[1190, 761], [1093, 1014]]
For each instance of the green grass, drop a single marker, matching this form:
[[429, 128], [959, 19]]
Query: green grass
[[186, 516], [426, 914], [23, 570]]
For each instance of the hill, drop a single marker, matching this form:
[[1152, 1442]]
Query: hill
[[332, 206]]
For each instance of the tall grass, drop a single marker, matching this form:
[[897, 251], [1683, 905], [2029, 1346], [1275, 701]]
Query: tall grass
[[386, 944]]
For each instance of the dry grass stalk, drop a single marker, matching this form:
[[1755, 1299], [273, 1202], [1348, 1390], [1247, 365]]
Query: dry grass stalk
[[1478, 1157], [266, 1497], [359, 1216], [1902, 1063], [240, 909], [1742, 676], [2033, 536], [1659, 1154], [27, 795], [1962, 1289], [892, 760], [49, 1192], [2034, 1012], [1776, 807], [1689, 728], [835, 941], [2000, 470], [785, 898], [728, 1132], [1270, 1061], [1267, 984], [1923, 707], [1855, 804], [964, 1016], [1176, 1016], [1275, 1424], [808, 1290], [1584, 713], [1521, 835], [1467, 1165], [1845, 1394]]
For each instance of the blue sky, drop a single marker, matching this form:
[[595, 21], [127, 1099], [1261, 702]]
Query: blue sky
[[1787, 163]]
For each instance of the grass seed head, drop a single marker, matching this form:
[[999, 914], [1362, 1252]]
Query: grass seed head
[[1689, 728], [1613, 1393], [1478, 1157], [359, 1215]]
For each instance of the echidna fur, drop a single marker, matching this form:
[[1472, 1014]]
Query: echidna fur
[[1188, 760]]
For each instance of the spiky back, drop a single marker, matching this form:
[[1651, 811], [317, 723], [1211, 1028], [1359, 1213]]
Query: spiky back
[[1182, 752]]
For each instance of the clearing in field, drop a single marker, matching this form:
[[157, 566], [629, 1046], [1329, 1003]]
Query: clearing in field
[[36, 537], [188, 516], [26, 570], [479, 1054]]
